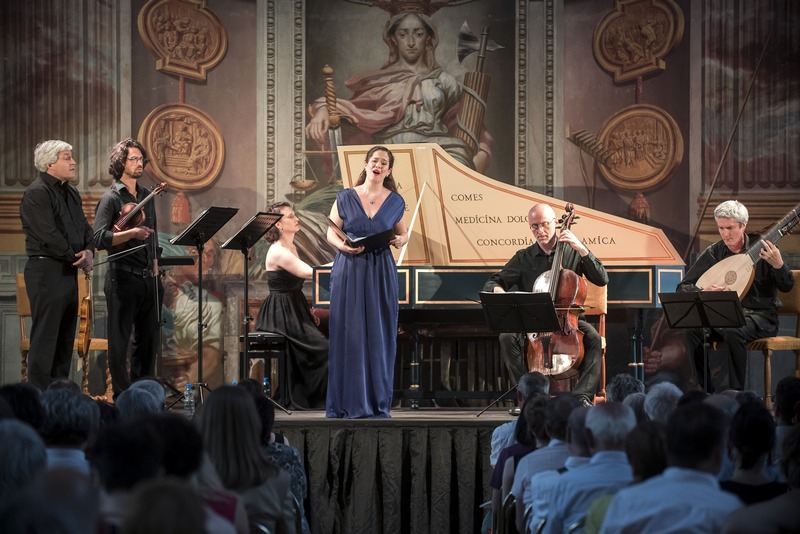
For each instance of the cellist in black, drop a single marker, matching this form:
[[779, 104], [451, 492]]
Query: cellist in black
[[131, 281], [521, 272]]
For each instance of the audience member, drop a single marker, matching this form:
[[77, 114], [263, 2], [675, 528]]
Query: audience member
[[661, 400], [153, 387], [607, 426], [686, 497], [231, 434], [748, 396], [256, 389], [70, 421], [787, 413], [181, 459], [752, 436], [539, 491], [134, 403], [529, 384], [72, 497], [25, 400], [64, 383], [552, 455], [284, 456], [776, 515], [5, 410], [635, 401], [163, 505], [646, 449], [124, 455], [623, 385], [22, 457], [694, 395]]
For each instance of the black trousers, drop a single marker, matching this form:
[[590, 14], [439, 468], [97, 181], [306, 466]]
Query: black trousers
[[133, 307], [52, 287], [512, 348]]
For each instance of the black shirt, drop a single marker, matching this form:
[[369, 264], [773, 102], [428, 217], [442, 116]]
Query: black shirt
[[107, 213], [53, 220]]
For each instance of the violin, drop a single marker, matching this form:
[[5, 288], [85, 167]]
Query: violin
[[84, 330], [564, 354], [132, 215]]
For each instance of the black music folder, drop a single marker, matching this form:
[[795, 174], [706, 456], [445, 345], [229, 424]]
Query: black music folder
[[702, 309], [369, 242]]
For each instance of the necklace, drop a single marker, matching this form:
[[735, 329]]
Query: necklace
[[372, 199]]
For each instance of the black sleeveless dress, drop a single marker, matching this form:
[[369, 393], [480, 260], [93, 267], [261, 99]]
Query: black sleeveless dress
[[285, 311]]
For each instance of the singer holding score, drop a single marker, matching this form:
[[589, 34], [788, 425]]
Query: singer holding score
[[132, 287], [363, 316]]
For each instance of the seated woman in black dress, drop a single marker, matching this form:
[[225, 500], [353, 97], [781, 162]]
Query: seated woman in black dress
[[285, 311]]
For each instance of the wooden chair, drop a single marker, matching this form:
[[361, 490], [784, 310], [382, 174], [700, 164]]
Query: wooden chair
[[596, 307], [24, 313], [791, 306]]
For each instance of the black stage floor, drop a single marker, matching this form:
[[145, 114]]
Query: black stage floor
[[422, 470]]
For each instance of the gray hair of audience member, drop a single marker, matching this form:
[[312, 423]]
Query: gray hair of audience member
[[635, 401], [70, 418], [623, 385], [136, 402], [732, 209], [557, 413], [576, 432], [790, 460], [646, 449], [787, 400], [752, 434], [153, 387], [46, 153], [533, 383], [695, 437], [661, 400], [607, 425], [22, 456]]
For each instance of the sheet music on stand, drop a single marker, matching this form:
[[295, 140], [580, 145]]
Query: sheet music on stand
[[253, 230], [519, 312]]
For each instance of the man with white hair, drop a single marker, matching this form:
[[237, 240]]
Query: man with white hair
[[661, 401], [760, 303], [58, 242]]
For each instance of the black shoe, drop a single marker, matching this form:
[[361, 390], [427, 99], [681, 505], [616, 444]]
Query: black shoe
[[585, 401]]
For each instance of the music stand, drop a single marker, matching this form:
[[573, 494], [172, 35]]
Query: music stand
[[703, 309], [517, 312], [196, 234], [243, 240]]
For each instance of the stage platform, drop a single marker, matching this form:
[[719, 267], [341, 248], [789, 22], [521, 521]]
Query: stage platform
[[423, 470]]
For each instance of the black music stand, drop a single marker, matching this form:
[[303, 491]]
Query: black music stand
[[703, 309], [517, 312], [243, 240], [196, 234]]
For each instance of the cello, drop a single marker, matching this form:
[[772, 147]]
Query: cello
[[564, 354]]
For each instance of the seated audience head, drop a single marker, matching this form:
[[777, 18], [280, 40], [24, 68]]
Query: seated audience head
[[231, 433], [661, 400], [266, 414], [576, 432], [530, 429], [748, 396], [64, 383], [25, 400], [646, 448], [251, 385], [533, 383], [153, 387], [607, 425], [70, 418], [787, 401], [695, 395], [136, 402], [124, 455], [696, 436], [623, 385], [163, 505], [790, 462], [726, 403], [181, 443], [752, 436], [22, 456], [635, 401], [557, 414]]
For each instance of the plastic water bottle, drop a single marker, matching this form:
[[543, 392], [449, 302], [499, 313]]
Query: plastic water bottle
[[188, 401], [267, 387]]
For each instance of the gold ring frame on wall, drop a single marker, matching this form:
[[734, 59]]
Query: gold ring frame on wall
[[646, 146], [185, 146], [632, 40], [186, 38]]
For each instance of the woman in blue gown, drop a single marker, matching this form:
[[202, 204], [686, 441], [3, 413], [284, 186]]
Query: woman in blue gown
[[363, 311]]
